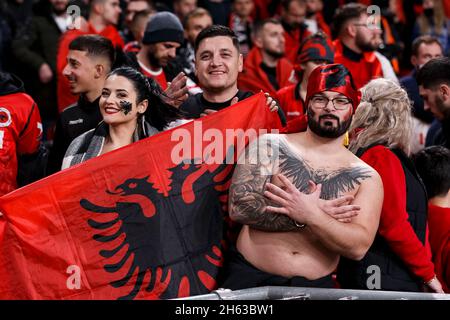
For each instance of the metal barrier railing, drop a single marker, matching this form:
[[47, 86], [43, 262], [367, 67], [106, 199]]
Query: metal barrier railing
[[296, 293]]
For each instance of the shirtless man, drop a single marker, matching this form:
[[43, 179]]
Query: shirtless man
[[314, 203]]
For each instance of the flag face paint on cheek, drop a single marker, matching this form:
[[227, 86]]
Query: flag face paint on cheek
[[125, 107]]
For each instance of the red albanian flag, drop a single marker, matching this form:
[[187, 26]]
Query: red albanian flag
[[133, 223]]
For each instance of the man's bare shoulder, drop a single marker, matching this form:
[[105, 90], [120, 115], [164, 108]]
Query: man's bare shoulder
[[357, 162]]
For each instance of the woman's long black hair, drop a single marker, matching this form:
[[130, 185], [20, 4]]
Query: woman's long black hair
[[158, 114]]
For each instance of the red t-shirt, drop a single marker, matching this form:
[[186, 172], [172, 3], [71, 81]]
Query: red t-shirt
[[439, 224], [158, 76], [20, 134]]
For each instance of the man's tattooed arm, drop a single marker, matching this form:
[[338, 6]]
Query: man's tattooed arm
[[247, 201]]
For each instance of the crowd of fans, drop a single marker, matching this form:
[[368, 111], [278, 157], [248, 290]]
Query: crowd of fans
[[62, 74]]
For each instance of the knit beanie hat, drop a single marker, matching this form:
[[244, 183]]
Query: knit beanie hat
[[163, 26], [315, 47]]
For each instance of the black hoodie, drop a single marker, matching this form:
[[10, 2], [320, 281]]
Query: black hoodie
[[10, 84]]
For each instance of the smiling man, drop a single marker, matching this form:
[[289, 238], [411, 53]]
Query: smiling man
[[103, 16], [217, 65], [218, 62], [290, 237], [434, 87], [89, 60]]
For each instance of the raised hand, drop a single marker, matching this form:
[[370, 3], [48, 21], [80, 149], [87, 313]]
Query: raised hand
[[271, 103], [177, 91]]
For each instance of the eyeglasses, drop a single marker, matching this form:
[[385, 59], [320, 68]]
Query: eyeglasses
[[338, 103]]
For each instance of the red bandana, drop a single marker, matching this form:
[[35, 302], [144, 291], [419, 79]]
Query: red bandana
[[332, 77]]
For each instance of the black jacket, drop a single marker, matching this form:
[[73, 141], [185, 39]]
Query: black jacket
[[38, 44], [410, 84], [73, 121], [439, 134], [35, 46], [196, 104], [10, 84]]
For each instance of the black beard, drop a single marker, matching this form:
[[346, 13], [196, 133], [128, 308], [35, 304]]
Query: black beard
[[327, 132], [274, 54], [153, 61], [442, 108], [59, 12], [428, 12], [309, 14], [365, 47]]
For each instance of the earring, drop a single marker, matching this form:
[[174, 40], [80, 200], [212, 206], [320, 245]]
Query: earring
[[143, 124]]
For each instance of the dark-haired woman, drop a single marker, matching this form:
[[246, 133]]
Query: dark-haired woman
[[131, 108]]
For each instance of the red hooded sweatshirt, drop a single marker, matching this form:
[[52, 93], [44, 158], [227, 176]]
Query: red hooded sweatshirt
[[293, 39], [254, 79], [20, 129]]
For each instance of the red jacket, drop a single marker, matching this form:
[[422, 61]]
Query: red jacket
[[394, 226], [322, 25], [439, 224], [293, 106], [20, 131], [293, 40], [264, 9], [254, 79], [261, 10], [363, 70], [65, 98]]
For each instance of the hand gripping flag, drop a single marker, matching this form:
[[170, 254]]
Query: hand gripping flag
[[142, 222]]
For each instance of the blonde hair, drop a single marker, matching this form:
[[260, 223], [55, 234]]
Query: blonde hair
[[384, 115]]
